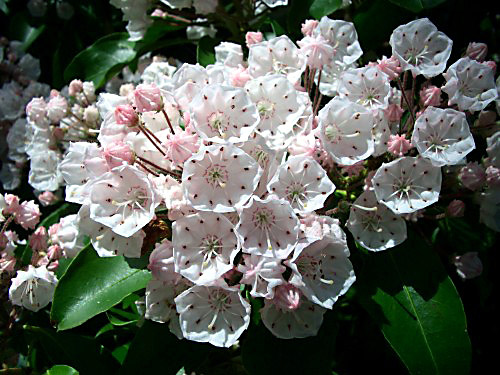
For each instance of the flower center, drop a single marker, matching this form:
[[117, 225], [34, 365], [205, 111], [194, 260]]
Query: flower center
[[265, 108], [216, 176], [218, 122]]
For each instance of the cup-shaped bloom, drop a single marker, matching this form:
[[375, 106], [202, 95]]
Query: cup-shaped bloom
[[373, 225], [33, 289], [407, 184], [421, 48], [442, 136]]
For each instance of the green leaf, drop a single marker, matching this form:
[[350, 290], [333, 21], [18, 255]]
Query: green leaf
[[265, 354], [205, 53], [103, 59], [417, 6], [3, 6], [80, 352], [408, 293], [92, 285], [154, 350], [21, 30], [61, 370], [320, 8]]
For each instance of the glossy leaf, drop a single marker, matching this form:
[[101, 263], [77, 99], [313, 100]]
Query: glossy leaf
[[205, 50], [265, 354], [408, 293], [320, 8], [92, 285], [417, 6], [21, 30], [63, 210], [80, 352], [101, 60], [61, 370]]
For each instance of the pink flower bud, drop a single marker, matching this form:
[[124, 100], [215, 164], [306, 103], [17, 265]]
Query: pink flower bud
[[456, 208], [54, 93], [57, 108], [36, 110], [54, 252], [390, 66], [47, 198], [75, 87], [240, 77], [492, 65], [472, 176], [12, 202], [28, 215], [125, 115], [91, 114], [287, 297], [253, 37], [38, 240], [159, 13], [398, 145], [147, 97], [430, 96], [493, 176], [53, 265], [53, 229], [468, 265], [117, 153], [477, 51], [7, 262], [308, 27], [393, 113]]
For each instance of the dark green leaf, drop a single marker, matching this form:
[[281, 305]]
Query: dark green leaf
[[154, 350], [121, 352], [92, 285], [101, 60], [320, 8], [417, 6], [82, 353], [205, 53], [21, 30], [408, 293], [61, 370], [264, 354], [3, 6], [156, 33], [277, 28]]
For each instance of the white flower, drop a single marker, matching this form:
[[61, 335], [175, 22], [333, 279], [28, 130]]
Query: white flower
[[44, 174], [159, 73], [278, 104], [220, 178], [493, 149], [268, 227], [442, 136], [278, 55], [345, 130], [223, 114], [262, 273], [421, 48], [367, 86], [407, 184], [68, 236], [214, 314], [205, 246], [123, 200], [343, 38], [470, 85], [322, 270], [303, 182], [106, 242], [33, 289], [188, 80], [229, 54], [373, 225], [162, 262], [160, 305], [290, 315]]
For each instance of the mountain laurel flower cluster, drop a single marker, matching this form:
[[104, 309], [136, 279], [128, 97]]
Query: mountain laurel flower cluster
[[266, 169]]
